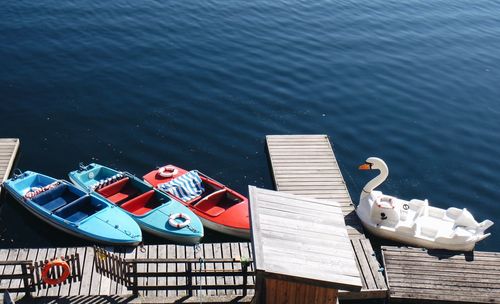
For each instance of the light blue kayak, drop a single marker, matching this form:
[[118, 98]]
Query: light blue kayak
[[70, 209], [155, 211]]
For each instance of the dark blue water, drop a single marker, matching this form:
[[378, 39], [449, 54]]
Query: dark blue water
[[136, 84]]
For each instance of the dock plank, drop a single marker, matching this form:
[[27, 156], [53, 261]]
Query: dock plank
[[208, 252], [171, 254], [43, 255], [9, 148], [306, 165], [162, 254], [180, 253], [436, 276], [92, 283]]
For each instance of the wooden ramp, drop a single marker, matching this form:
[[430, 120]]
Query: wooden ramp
[[305, 165], [95, 284], [8, 152], [436, 276]]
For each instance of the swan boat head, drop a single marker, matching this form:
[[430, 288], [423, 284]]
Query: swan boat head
[[374, 163]]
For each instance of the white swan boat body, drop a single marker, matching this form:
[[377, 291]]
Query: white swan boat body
[[414, 222]]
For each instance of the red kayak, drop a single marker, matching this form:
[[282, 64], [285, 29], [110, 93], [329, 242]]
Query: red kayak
[[219, 208]]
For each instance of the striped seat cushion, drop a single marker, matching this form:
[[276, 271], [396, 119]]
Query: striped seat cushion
[[186, 187]]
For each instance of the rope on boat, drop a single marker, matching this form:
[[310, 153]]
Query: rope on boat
[[34, 191], [107, 181]]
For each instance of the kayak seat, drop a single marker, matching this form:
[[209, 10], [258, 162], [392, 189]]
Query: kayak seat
[[56, 198], [211, 204], [141, 204], [79, 209], [119, 192]]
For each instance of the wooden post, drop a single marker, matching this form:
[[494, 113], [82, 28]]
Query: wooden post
[[189, 279], [244, 269], [27, 287], [135, 289]]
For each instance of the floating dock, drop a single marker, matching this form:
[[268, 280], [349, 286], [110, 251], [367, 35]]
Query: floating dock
[[9, 148], [93, 283], [305, 165], [302, 165], [418, 275]]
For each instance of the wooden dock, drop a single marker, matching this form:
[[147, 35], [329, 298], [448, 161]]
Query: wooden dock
[[418, 275], [93, 283], [8, 151], [305, 165]]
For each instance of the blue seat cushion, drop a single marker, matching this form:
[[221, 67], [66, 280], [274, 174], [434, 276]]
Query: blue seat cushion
[[55, 204], [77, 216]]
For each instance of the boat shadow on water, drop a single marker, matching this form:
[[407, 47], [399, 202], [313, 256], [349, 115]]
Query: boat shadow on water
[[19, 229]]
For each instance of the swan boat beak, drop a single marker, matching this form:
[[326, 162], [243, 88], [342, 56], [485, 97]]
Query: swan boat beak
[[365, 166]]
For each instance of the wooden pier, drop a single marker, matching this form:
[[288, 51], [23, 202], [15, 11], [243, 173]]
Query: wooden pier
[[418, 275], [8, 151], [305, 165], [93, 283]]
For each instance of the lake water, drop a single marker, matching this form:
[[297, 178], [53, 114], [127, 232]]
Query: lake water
[[137, 84]]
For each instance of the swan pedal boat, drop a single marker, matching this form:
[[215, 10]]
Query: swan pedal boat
[[154, 211], [414, 222], [64, 206], [220, 208]]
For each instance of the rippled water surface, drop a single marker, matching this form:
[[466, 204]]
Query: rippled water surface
[[136, 84]]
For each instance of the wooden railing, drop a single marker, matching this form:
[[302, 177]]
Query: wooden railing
[[26, 276], [128, 273], [75, 273], [22, 270]]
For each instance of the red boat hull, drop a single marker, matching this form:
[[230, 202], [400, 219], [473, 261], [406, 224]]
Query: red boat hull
[[219, 208]]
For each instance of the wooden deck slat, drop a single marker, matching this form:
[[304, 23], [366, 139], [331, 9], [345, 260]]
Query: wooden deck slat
[[208, 252], [181, 254], [51, 253], [93, 284], [33, 255], [438, 276], [162, 254], [4, 253], [9, 147], [306, 165]]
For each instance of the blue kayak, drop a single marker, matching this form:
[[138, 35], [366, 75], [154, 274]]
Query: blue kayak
[[72, 210], [155, 211]]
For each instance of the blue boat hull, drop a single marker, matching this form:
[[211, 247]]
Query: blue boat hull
[[73, 211], [154, 220]]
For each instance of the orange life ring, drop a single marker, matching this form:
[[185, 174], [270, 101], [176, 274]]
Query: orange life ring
[[167, 171], [62, 277]]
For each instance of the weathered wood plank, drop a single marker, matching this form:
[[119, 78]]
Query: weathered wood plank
[[436, 275], [171, 254], [9, 149], [141, 253], [162, 254], [152, 254], [181, 254], [301, 258], [306, 165], [128, 253], [51, 253], [54, 290], [208, 252]]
